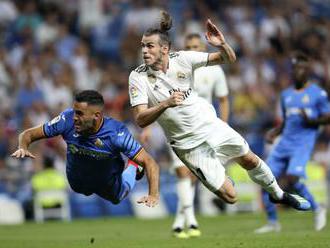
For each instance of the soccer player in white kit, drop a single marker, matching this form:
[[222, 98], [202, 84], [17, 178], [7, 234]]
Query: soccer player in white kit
[[162, 90], [208, 82]]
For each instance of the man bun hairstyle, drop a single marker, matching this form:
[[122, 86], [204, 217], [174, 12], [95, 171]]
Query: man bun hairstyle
[[162, 31], [165, 21], [91, 97]]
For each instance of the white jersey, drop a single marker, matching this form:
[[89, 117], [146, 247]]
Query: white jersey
[[209, 80], [185, 126]]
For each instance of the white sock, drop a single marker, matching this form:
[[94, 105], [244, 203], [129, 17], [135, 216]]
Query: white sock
[[185, 212], [263, 176], [190, 212]]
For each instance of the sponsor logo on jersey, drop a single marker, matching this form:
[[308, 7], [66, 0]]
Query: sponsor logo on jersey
[[74, 150], [55, 120], [98, 143], [180, 75], [305, 99], [133, 91], [186, 93]]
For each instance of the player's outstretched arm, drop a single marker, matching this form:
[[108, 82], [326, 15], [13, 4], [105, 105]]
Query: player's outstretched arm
[[25, 139], [273, 133], [322, 120], [214, 37], [144, 116], [152, 169]]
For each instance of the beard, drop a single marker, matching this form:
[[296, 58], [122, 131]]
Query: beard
[[88, 127]]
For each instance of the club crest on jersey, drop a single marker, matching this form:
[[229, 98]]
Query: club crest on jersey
[[180, 75], [305, 99], [133, 91], [98, 143], [152, 78]]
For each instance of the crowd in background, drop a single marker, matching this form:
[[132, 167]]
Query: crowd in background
[[51, 49]]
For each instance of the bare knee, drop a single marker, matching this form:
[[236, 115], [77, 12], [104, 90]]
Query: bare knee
[[227, 192]]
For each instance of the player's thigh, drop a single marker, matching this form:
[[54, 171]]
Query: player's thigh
[[205, 165], [228, 144], [297, 164]]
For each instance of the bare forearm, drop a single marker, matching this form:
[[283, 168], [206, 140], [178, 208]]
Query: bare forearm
[[225, 55], [29, 136], [224, 110], [153, 177], [323, 120], [150, 115]]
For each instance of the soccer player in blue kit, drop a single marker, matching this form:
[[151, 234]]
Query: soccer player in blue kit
[[94, 147], [304, 108]]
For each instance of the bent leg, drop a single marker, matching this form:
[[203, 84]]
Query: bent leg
[[120, 186], [260, 173]]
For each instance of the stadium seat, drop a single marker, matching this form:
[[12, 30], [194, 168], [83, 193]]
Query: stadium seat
[[51, 204]]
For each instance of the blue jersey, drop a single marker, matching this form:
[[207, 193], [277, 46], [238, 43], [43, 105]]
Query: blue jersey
[[296, 134], [93, 161]]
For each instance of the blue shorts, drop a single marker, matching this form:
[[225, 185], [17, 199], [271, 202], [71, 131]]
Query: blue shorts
[[114, 190], [289, 164]]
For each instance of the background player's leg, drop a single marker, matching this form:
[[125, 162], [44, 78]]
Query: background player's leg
[[185, 209], [319, 211], [277, 166]]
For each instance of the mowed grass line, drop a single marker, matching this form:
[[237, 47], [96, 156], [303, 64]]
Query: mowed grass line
[[222, 231]]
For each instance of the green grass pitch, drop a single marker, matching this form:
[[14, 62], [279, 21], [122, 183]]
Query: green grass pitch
[[222, 231]]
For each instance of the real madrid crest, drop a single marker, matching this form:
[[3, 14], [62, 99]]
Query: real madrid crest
[[98, 143], [305, 99], [180, 75]]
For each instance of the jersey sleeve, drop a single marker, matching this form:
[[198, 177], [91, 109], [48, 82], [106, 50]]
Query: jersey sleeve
[[136, 90], [57, 125], [323, 103], [220, 86], [126, 143], [195, 59]]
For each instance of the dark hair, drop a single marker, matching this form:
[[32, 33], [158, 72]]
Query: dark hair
[[48, 162], [162, 31], [193, 36], [92, 97], [299, 56]]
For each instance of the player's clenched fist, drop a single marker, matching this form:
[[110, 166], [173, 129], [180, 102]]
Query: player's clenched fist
[[175, 99], [22, 153]]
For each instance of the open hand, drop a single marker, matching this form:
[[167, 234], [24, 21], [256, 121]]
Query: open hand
[[150, 201], [22, 153], [213, 35]]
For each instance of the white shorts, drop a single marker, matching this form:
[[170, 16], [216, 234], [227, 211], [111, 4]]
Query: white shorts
[[176, 162], [207, 160]]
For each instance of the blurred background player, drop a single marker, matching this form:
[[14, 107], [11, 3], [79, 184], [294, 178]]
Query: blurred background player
[[305, 107], [209, 82], [94, 147], [162, 90]]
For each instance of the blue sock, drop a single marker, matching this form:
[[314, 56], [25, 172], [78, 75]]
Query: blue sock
[[128, 181], [302, 190], [270, 207]]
